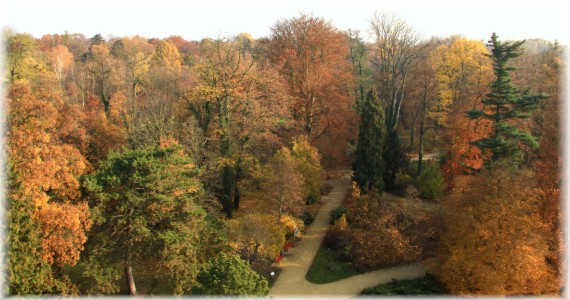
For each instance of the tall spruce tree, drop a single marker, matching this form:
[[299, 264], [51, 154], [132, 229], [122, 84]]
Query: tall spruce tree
[[369, 164], [506, 104]]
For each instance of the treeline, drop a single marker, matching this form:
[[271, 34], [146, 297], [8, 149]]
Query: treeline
[[147, 165]]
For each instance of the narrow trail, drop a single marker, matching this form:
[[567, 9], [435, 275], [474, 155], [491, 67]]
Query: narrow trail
[[296, 263]]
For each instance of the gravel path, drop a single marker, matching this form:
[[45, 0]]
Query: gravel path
[[296, 263]]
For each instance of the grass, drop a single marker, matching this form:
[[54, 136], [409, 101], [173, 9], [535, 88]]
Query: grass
[[326, 267], [427, 285]]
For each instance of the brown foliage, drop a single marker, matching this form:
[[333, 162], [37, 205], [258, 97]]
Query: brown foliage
[[496, 242], [311, 54], [376, 236]]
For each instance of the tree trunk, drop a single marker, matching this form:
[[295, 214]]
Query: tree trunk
[[129, 274], [421, 141], [129, 259]]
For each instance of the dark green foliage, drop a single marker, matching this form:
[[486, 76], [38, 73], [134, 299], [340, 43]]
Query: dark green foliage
[[336, 213], [504, 105], [369, 165], [144, 205], [230, 275], [307, 217], [430, 183], [28, 273], [228, 192], [427, 285], [395, 159]]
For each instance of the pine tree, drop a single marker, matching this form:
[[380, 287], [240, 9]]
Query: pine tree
[[505, 104], [146, 199], [394, 158], [28, 273], [369, 165]]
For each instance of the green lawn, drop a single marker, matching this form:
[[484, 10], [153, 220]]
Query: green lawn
[[326, 267], [427, 285]]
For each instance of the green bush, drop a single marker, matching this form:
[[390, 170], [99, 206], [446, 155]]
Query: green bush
[[336, 213], [307, 217], [229, 275], [403, 180], [430, 183]]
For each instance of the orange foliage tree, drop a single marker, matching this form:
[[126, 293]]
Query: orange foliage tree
[[48, 164], [312, 55], [496, 241]]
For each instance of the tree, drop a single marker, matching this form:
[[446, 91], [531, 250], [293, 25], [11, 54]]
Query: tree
[[28, 272], [547, 164], [495, 242], [369, 165], [359, 55], [420, 95], [308, 161], [285, 184], [239, 106], [396, 50], [145, 199], [255, 235], [61, 60], [44, 151], [311, 55], [19, 55], [463, 74], [102, 66], [229, 275], [504, 105]]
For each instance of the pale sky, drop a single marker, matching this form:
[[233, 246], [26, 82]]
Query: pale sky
[[194, 20]]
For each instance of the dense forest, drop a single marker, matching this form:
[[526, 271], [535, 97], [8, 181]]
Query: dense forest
[[166, 166]]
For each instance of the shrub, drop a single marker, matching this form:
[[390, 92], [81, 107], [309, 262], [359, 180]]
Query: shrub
[[430, 183], [403, 180], [336, 213], [307, 217], [229, 275], [338, 240], [377, 237]]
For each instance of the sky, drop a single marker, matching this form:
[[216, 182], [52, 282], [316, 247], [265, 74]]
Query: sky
[[194, 20]]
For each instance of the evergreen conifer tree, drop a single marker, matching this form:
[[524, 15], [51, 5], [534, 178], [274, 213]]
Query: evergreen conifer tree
[[369, 165], [505, 104]]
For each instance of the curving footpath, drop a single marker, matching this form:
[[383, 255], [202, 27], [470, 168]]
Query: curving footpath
[[296, 263]]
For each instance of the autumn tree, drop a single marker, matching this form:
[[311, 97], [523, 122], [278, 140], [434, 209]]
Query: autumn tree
[[44, 139], [308, 161], [496, 242], [256, 235], [547, 164], [506, 104], [239, 106], [146, 201], [20, 54], [102, 67], [61, 60], [369, 165], [311, 54], [463, 74], [285, 186], [421, 93]]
